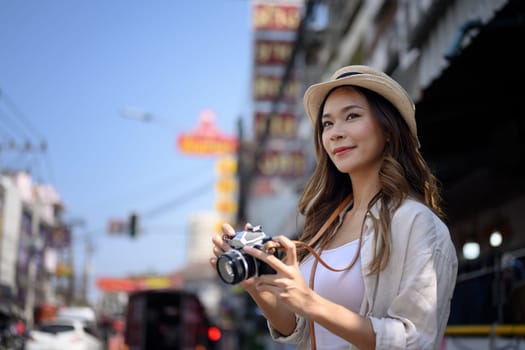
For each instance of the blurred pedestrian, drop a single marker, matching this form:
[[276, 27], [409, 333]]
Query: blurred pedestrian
[[374, 266]]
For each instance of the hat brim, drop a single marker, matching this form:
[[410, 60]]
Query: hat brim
[[388, 88]]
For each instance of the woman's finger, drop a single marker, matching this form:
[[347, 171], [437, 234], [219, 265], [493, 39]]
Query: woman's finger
[[217, 251], [219, 245], [228, 230], [219, 240], [289, 248], [269, 259]]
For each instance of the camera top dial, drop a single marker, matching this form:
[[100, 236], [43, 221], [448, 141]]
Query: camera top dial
[[252, 237]]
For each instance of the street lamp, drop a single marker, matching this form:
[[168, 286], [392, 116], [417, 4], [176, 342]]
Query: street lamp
[[136, 114], [496, 238], [471, 250]]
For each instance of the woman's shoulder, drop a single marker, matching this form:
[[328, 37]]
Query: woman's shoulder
[[413, 212], [419, 222], [411, 206]]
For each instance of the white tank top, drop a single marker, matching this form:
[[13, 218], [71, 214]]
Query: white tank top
[[345, 288]]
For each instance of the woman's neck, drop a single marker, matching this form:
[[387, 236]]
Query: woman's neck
[[364, 189]]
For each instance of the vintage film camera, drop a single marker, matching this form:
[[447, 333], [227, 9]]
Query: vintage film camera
[[235, 266]]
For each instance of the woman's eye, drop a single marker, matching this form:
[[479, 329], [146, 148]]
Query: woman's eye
[[352, 116], [326, 124]]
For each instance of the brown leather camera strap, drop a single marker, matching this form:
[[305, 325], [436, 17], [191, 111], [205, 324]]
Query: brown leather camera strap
[[318, 258], [329, 221], [271, 246]]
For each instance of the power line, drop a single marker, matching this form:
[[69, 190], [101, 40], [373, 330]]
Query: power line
[[161, 184], [14, 109], [8, 133], [27, 131], [160, 209], [14, 129], [174, 203]]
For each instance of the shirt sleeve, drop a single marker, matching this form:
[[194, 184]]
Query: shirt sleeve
[[417, 311], [298, 336]]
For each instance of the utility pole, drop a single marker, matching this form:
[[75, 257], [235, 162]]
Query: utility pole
[[70, 225], [70, 294], [34, 249], [87, 269]]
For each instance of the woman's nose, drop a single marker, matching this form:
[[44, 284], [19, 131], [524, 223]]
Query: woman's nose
[[336, 132]]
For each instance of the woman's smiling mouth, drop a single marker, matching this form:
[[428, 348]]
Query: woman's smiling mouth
[[340, 150]]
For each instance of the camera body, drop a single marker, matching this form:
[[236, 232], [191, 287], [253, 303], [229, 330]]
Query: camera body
[[235, 266]]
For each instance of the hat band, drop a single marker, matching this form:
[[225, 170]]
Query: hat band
[[347, 74]]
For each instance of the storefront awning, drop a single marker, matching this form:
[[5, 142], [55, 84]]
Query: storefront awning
[[471, 117]]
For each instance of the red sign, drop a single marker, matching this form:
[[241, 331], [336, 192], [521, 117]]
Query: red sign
[[206, 139], [110, 284], [116, 226], [116, 284], [272, 16]]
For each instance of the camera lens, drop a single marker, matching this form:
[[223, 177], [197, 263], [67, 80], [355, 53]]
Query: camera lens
[[234, 267]]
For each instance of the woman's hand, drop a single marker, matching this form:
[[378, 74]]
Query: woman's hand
[[261, 292], [288, 284], [220, 246]]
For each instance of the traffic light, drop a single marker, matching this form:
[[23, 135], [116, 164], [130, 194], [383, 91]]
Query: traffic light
[[133, 225]]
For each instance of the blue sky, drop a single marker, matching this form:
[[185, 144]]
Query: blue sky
[[71, 67]]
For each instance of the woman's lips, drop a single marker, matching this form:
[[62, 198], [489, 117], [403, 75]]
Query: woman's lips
[[340, 150]]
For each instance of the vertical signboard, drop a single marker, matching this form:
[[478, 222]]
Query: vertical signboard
[[226, 189], [276, 16], [275, 101], [207, 140]]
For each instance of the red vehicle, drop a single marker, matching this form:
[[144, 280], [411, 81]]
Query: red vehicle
[[168, 319]]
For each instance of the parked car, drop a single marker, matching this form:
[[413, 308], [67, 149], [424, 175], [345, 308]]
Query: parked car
[[82, 313], [63, 334], [167, 320], [12, 326]]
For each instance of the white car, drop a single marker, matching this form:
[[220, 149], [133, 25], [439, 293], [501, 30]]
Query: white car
[[63, 334]]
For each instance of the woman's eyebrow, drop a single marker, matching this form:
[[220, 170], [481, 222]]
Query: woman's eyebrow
[[343, 110]]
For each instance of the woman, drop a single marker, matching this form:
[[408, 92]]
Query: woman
[[387, 266]]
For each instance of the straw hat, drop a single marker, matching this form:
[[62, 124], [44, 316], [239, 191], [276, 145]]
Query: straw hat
[[368, 78]]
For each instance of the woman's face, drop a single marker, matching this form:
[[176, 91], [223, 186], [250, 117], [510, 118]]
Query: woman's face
[[351, 134]]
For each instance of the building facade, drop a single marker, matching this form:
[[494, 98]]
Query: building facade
[[35, 246], [460, 62]]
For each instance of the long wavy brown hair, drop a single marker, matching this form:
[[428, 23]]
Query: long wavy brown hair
[[403, 173]]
